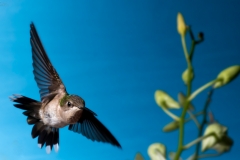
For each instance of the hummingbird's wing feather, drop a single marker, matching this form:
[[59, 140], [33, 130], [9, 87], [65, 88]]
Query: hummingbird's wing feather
[[93, 129], [45, 74]]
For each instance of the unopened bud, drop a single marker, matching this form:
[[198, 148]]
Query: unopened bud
[[186, 77], [138, 157], [227, 75], [157, 151], [164, 100], [171, 126], [181, 26]]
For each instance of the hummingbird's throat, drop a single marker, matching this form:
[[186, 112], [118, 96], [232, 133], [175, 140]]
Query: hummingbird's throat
[[75, 117]]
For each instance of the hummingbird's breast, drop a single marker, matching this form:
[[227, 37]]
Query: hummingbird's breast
[[50, 114]]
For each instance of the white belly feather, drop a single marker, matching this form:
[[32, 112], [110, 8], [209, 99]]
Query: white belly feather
[[50, 116]]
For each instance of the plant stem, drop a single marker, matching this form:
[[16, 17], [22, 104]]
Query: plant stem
[[199, 139], [185, 50], [181, 131], [209, 155], [195, 93], [204, 121], [194, 119], [192, 50], [185, 108], [195, 115], [173, 116]]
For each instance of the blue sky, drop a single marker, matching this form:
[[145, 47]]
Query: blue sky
[[115, 54]]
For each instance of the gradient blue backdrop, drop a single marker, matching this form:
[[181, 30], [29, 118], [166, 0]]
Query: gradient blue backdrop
[[115, 54]]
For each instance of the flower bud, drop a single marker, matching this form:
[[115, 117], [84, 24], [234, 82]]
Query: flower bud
[[216, 128], [157, 151], [227, 75], [182, 100], [164, 100], [186, 77], [138, 157], [181, 26], [171, 126]]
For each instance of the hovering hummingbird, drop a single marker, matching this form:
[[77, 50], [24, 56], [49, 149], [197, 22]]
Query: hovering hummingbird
[[57, 108]]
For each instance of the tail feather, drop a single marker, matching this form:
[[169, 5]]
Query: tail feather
[[42, 138], [46, 134], [37, 129], [56, 136], [49, 140], [50, 137]]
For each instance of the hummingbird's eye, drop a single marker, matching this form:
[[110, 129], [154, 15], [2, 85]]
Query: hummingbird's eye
[[69, 104]]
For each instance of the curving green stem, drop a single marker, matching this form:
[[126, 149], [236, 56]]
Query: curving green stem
[[195, 115], [199, 90], [194, 119], [199, 139], [173, 116], [185, 50]]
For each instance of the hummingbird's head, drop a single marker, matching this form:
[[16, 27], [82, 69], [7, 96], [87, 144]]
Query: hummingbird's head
[[71, 108]]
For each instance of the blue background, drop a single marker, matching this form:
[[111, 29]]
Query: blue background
[[115, 54]]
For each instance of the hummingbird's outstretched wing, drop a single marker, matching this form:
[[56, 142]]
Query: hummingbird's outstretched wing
[[93, 129], [45, 74]]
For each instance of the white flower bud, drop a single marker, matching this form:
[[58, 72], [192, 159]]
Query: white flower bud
[[218, 130], [157, 151], [164, 100], [227, 75]]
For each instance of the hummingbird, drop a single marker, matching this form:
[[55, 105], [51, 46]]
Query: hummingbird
[[57, 108]]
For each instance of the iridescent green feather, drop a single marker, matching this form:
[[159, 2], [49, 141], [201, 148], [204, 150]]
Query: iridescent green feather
[[64, 100]]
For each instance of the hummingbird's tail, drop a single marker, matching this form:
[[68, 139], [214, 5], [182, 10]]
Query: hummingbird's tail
[[46, 134]]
